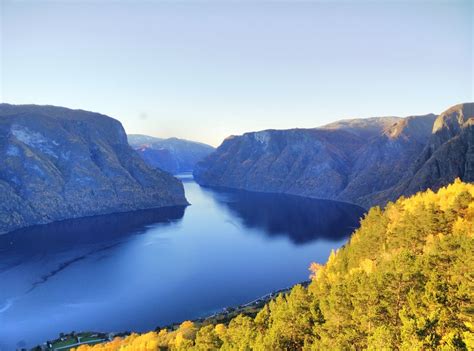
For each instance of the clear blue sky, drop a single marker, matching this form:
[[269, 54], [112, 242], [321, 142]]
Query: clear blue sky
[[204, 70]]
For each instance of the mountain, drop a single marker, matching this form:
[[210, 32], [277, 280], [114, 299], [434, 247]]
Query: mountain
[[172, 155], [364, 127], [297, 161], [386, 159], [351, 160], [448, 155], [59, 163], [404, 281]]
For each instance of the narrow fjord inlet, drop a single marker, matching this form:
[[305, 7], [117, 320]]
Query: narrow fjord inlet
[[236, 175], [136, 271]]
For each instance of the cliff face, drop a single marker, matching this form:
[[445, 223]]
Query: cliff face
[[449, 154], [386, 159], [294, 161], [450, 151], [172, 155], [59, 163], [351, 160]]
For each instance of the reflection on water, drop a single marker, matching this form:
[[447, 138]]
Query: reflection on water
[[138, 270], [300, 219], [64, 235]]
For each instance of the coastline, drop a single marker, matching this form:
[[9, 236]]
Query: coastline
[[67, 341]]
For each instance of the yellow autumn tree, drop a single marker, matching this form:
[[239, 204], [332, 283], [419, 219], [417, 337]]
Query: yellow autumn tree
[[404, 281]]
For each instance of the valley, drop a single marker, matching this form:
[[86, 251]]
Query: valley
[[236, 175], [138, 270]]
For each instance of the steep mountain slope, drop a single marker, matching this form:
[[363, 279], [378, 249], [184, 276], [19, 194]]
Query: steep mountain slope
[[450, 152], [348, 160], [386, 159], [59, 163], [172, 155], [448, 155], [309, 162]]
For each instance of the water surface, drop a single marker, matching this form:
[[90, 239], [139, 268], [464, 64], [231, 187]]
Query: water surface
[[138, 270]]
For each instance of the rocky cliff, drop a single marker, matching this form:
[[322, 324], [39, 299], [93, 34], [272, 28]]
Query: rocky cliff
[[294, 161], [359, 160], [172, 155], [59, 163], [386, 159], [449, 154]]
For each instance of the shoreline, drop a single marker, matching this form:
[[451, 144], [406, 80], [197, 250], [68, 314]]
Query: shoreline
[[251, 308]]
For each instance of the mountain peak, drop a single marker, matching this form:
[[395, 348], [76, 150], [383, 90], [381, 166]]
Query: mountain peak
[[455, 118], [417, 127]]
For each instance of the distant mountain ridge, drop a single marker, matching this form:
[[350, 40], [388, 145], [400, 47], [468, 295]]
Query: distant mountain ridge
[[364, 161], [172, 155], [363, 127], [59, 163]]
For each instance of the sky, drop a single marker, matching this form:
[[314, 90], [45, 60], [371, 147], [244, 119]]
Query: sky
[[204, 70]]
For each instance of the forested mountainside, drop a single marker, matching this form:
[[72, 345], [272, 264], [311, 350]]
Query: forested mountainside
[[364, 161], [172, 155], [59, 163], [405, 281]]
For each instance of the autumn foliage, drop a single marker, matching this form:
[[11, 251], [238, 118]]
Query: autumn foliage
[[405, 281]]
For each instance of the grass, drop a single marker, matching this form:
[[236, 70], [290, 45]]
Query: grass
[[64, 343]]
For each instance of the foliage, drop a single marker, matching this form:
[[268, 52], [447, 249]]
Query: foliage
[[405, 281]]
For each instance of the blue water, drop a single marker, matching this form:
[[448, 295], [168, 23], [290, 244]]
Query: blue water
[[139, 270]]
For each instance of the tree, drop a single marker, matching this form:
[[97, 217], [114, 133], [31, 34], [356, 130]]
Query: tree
[[404, 281]]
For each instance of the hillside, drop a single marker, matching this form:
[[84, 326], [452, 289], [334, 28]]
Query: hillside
[[308, 162], [350, 160], [364, 127], [404, 281], [59, 163], [385, 160], [448, 154], [172, 155]]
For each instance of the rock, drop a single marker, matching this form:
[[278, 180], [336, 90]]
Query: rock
[[364, 127], [297, 161], [386, 159], [59, 163], [172, 155], [352, 160], [448, 155]]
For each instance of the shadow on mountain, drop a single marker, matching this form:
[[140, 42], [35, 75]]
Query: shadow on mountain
[[301, 219]]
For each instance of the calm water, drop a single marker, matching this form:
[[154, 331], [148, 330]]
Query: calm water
[[139, 270]]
